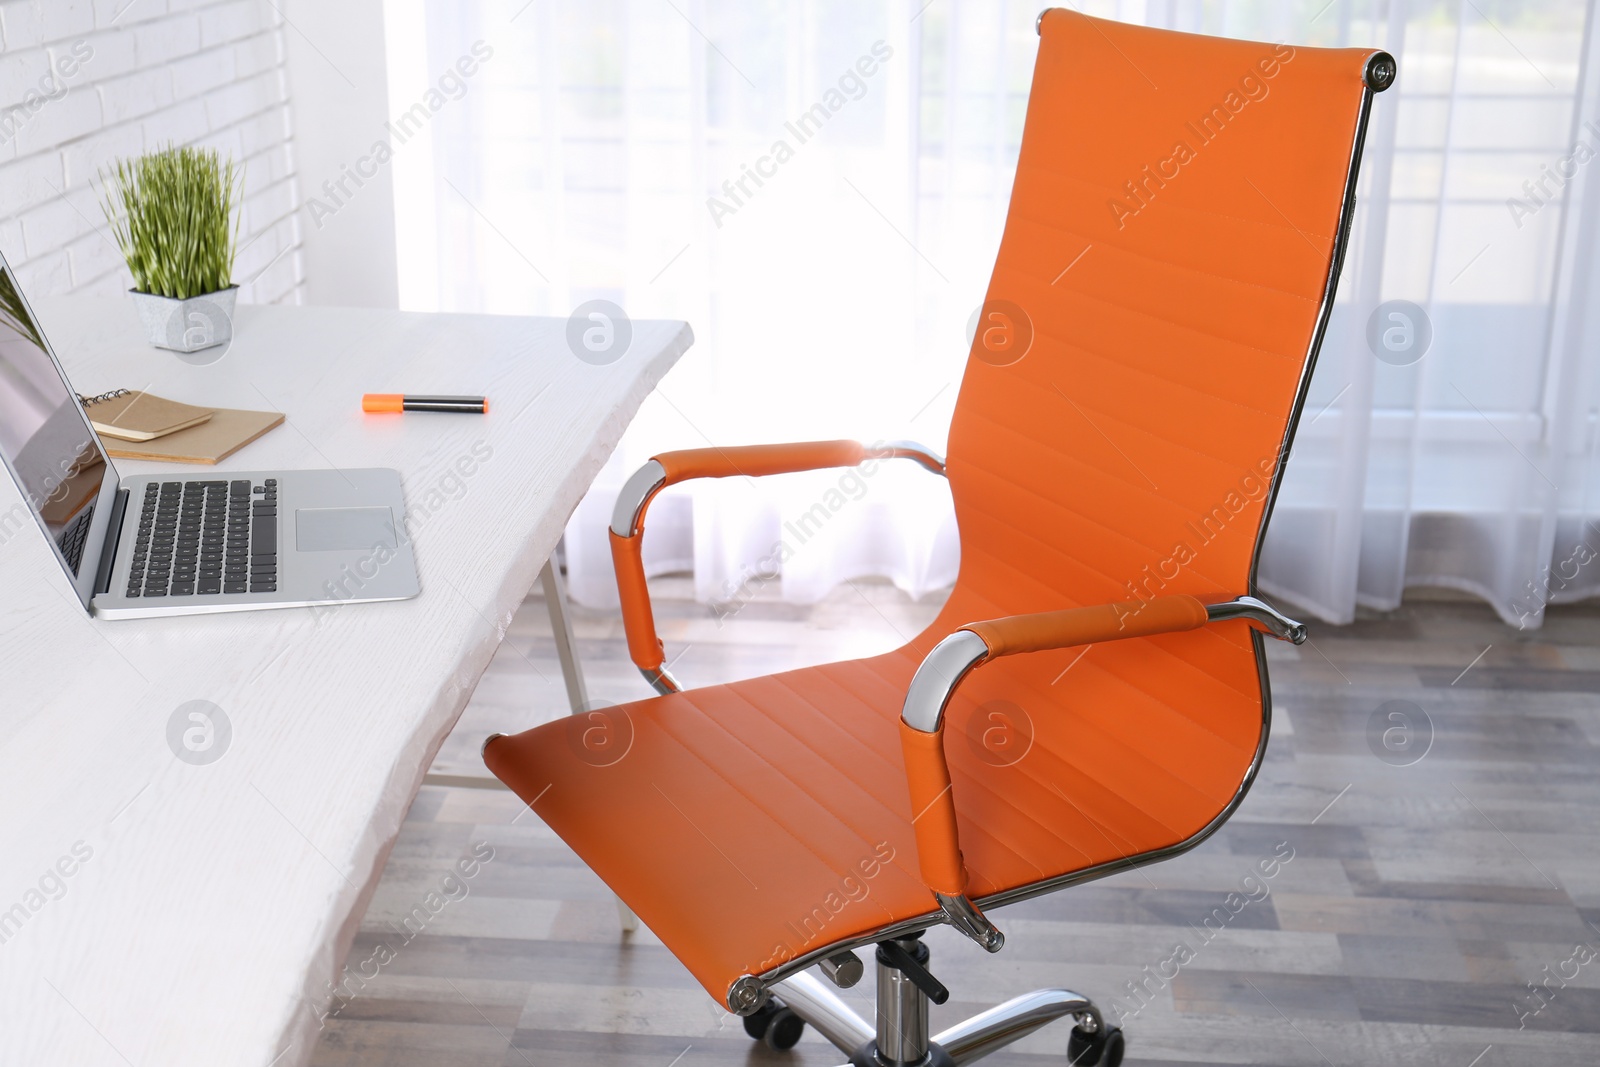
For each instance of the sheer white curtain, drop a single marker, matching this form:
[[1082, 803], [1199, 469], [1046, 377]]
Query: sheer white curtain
[[819, 186], [1452, 442]]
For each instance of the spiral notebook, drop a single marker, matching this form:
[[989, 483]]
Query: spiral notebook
[[132, 415]]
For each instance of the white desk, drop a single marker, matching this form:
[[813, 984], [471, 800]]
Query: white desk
[[216, 900]]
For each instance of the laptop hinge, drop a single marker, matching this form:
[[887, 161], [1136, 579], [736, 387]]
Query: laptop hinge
[[108, 551]]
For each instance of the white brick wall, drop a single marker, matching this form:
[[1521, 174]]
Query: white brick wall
[[138, 75]]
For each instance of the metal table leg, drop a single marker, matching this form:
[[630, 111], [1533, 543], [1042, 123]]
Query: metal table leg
[[555, 602]]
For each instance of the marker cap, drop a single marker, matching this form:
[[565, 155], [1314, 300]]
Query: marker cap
[[385, 403]]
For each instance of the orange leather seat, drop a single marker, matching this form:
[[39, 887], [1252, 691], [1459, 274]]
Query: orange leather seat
[[1164, 278], [748, 824]]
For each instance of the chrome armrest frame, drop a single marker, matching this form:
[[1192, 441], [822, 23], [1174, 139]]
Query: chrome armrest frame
[[954, 657], [937, 677], [964, 915], [929, 693], [627, 515], [1274, 621], [661, 680], [921, 454]]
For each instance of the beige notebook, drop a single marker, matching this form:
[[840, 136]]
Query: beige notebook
[[227, 431], [137, 416]]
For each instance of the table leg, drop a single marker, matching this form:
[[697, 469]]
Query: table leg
[[555, 602]]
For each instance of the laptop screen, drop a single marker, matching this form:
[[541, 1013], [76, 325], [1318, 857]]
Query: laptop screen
[[46, 440]]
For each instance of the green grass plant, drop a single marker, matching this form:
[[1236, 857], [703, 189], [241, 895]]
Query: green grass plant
[[172, 213]]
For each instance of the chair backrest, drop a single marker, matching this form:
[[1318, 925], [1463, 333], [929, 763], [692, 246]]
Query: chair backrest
[[1162, 285], [1164, 279]]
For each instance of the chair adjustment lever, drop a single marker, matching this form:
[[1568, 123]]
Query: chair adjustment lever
[[890, 954]]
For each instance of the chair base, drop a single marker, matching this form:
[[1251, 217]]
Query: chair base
[[901, 1039], [867, 1056]]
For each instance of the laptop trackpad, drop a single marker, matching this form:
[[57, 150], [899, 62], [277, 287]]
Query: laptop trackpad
[[343, 529]]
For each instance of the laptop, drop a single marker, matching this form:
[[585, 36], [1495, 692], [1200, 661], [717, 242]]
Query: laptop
[[193, 543]]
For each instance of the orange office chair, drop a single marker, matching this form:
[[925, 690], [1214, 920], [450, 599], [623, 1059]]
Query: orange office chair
[[1094, 695]]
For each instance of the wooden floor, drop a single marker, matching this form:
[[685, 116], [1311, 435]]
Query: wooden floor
[[1421, 901]]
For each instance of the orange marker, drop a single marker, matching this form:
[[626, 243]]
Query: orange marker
[[394, 403]]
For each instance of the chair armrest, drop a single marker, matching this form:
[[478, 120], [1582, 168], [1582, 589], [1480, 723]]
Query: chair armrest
[[933, 808], [669, 468], [936, 680]]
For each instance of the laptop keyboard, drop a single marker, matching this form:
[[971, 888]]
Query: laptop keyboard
[[74, 536], [206, 539]]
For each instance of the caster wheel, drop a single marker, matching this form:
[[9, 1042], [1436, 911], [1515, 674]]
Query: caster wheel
[[775, 1026], [1101, 1049], [785, 1031], [756, 1025]]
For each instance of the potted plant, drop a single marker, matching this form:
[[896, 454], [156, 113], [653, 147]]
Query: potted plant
[[172, 212]]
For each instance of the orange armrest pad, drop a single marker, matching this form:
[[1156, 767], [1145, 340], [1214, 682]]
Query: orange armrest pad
[[757, 460], [933, 811], [638, 620], [1086, 626]]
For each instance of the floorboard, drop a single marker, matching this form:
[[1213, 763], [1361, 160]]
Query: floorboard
[[1421, 901]]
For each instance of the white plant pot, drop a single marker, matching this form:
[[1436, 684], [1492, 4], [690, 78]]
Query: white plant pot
[[190, 325]]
